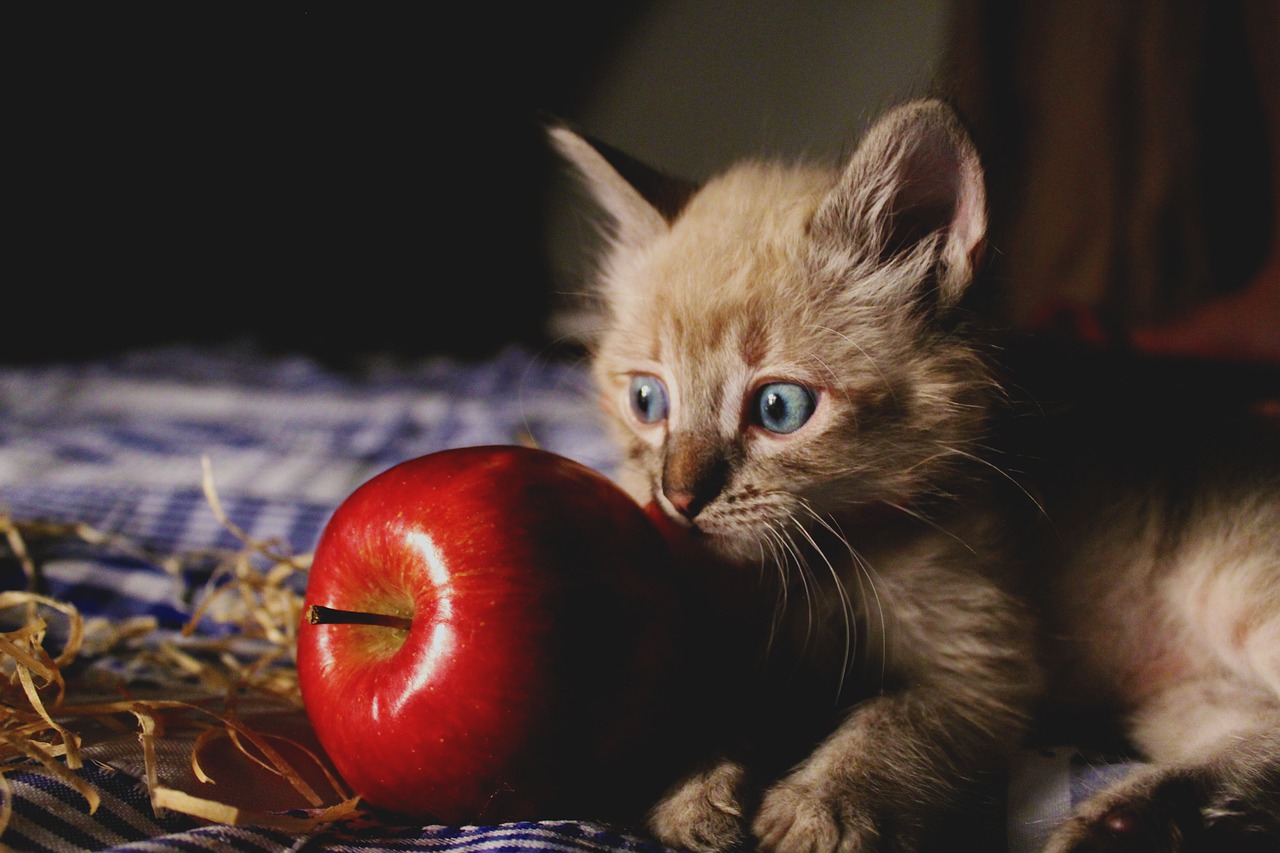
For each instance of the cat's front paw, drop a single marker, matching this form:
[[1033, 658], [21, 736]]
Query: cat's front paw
[[796, 818], [1161, 811], [706, 811]]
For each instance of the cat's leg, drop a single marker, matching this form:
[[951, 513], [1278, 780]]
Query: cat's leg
[[1207, 713], [882, 781], [1214, 739], [903, 762], [1212, 728], [706, 810], [1228, 801]]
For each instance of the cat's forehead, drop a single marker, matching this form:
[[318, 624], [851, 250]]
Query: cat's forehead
[[736, 282], [739, 242], [754, 203], [710, 341]]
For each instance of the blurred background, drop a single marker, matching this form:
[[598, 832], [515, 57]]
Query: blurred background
[[342, 182]]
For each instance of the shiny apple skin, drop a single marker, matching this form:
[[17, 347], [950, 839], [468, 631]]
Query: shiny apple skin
[[541, 674]]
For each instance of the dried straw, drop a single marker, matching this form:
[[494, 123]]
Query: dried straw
[[43, 716]]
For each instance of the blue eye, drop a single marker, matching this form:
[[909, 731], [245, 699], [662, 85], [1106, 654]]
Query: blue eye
[[649, 399], [784, 407]]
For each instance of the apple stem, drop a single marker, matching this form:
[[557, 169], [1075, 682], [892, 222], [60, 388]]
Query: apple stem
[[318, 614]]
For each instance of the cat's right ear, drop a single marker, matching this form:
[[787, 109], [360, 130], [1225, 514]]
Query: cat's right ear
[[914, 183], [641, 201]]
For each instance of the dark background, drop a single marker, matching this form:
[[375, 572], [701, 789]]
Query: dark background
[[341, 182], [352, 181], [329, 181]]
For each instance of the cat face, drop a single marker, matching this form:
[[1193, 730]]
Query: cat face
[[775, 353]]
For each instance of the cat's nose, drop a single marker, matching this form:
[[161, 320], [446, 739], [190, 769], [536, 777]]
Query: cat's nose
[[693, 473], [683, 503]]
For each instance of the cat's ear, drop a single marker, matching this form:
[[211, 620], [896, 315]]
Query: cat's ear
[[914, 183], [641, 201]]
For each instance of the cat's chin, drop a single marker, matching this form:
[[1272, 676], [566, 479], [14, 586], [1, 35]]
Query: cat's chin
[[732, 544], [728, 543], [738, 552]]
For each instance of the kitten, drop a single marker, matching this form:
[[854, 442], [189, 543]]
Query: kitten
[[791, 373], [787, 371]]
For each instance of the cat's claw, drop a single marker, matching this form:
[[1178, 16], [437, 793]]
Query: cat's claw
[[705, 812], [793, 819]]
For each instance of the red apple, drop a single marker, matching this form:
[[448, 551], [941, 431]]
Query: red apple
[[522, 651]]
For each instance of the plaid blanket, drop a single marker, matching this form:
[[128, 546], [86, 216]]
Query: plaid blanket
[[118, 446]]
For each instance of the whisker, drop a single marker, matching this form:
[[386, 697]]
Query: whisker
[[924, 519], [851, 342], [863, 571], [955, 451], [778, 561], [846, 606], [807, 581]]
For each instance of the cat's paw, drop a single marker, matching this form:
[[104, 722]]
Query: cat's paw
[[796, 818], [1161, 811], [706, 811]]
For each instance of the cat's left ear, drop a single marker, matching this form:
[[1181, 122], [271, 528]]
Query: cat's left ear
[[915, 177], [641, 201]]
